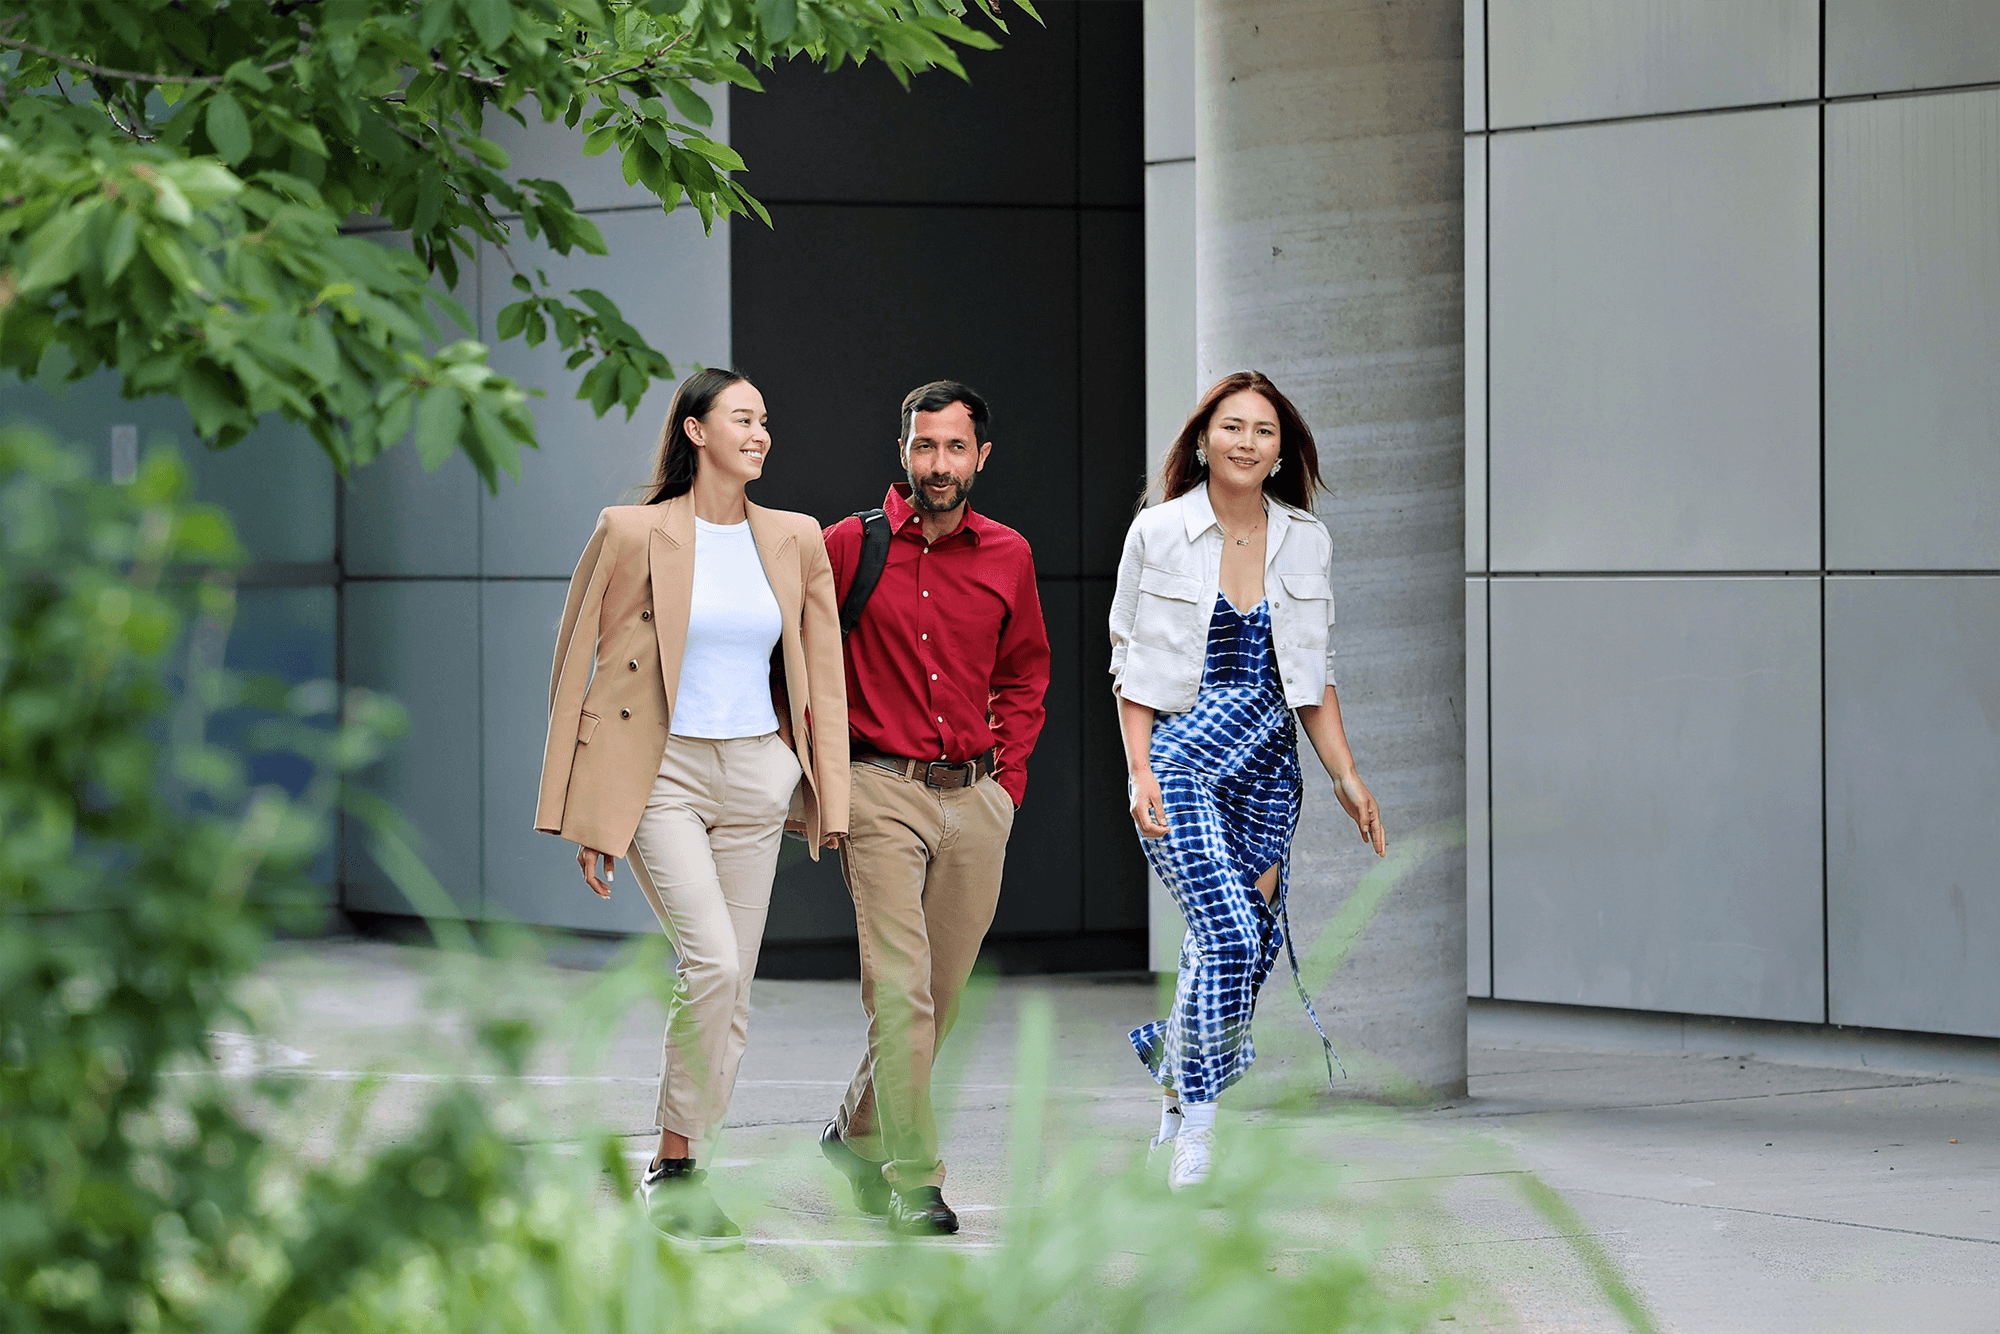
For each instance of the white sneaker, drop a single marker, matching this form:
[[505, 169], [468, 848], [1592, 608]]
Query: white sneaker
[[1193, 1148]]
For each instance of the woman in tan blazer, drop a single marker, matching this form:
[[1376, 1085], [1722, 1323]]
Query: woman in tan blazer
[[698, 700]]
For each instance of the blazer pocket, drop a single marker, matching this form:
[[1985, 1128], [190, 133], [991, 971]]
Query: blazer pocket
[[586, 724], [1168, 584]]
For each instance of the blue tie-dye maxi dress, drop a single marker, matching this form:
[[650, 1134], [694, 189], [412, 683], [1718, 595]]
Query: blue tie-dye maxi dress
[[1229, 777]]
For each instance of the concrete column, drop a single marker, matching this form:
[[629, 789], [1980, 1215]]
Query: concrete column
[[1329, 255]]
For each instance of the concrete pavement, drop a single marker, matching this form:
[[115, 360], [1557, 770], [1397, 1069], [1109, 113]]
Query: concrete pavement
[[1730, 1194]]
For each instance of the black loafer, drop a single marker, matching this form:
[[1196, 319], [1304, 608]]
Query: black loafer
[[679, 1205], [871, 1190], [921, 1210]]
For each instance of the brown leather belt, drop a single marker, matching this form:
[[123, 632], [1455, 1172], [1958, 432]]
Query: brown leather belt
[[931, 773]]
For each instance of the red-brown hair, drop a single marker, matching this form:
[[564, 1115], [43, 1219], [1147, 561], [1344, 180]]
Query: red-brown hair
[[1295, 484]]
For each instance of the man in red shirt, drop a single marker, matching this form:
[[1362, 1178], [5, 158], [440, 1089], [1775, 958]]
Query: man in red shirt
[[946, 670]]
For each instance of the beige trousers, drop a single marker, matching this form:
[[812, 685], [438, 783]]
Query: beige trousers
[[923, 865], [704, 854]]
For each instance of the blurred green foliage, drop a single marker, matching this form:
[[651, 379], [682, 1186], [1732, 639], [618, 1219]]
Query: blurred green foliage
[[141, 875], [174, 175]]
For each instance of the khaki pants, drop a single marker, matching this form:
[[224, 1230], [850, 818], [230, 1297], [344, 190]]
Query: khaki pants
[[704, 854], [923, 865]]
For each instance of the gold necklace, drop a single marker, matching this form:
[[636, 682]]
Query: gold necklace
[[1240, 541]]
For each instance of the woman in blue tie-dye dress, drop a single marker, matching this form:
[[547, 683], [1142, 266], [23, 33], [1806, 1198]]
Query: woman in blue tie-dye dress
[[1219, 635]]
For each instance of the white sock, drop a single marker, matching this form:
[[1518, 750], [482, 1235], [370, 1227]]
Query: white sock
[[1170, 1116], [1197, 1115]]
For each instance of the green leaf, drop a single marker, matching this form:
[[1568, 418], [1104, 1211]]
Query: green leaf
[[600, 140], [124, 244], [690, 103], [439, 417], [722, 155], [228, 128], [486, 151], [56, 250], [493, 20], [430, 201], [778, 17], [249, 75], [512, 319]]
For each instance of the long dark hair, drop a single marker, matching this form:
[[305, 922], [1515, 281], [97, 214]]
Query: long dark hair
[[1296, 483], [673, 468]]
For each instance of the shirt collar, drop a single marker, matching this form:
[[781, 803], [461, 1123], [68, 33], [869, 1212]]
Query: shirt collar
[[896, 507], [1198, 514]]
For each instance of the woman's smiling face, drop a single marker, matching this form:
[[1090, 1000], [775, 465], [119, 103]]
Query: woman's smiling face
[[1242, 440], [735, 436]]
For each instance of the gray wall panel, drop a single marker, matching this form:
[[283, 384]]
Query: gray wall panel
[[416, 640], [1478, 827], [672, 283], [278, 486], [1560, 60], [530, 876], [1656, 821], [1475, 352], [399, 519], [276, 483], [1913, 333], [1475, 66], [1655, 377], [1168, 34], [1877, 46], [1913, 763]]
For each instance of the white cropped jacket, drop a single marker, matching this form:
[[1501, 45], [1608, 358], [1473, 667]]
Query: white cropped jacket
[[1167, 583]]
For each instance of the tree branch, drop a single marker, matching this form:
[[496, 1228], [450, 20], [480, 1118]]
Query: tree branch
[[132, 76], [647, 63]]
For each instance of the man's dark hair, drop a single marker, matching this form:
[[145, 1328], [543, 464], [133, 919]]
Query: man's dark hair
[[936, 397]]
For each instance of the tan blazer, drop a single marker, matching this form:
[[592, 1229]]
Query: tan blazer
[[612, 689]]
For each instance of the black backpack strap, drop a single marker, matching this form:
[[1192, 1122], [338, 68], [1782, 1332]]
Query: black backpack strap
[[868, 570]]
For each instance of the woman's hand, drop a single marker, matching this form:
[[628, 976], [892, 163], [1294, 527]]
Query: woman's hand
[[587, 860], [831, 842], [1149, 808], [1359, 803]]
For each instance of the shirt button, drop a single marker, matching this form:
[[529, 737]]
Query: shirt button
[[933, 676], [632, 666], [624, 713], [940, 717], [923, 636], [927, 592], [645, 615]]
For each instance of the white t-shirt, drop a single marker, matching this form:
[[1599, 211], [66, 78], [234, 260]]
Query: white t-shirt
[[733, 624]]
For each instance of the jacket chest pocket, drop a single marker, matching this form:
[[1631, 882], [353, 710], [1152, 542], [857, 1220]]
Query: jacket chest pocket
[[1308, 608], [1169, 612]]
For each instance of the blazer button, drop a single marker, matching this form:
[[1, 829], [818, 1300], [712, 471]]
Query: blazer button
[[624, 713], [632, 666], [645, 615]]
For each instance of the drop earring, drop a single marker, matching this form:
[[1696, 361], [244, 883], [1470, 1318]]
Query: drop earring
[[1201, 456], [1276, 464]]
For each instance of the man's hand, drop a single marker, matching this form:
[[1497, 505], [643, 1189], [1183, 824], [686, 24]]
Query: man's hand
[[587, 861]]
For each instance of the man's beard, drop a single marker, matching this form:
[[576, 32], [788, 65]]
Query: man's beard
[[924, 500]]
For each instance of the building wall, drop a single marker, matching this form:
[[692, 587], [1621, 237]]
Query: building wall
[[990, 231], [1733, 520]]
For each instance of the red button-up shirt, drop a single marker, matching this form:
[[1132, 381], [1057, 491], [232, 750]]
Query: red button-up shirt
[[951, 657]]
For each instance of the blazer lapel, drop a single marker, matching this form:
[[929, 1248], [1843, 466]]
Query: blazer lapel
[[670, 555], [773, 544]]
